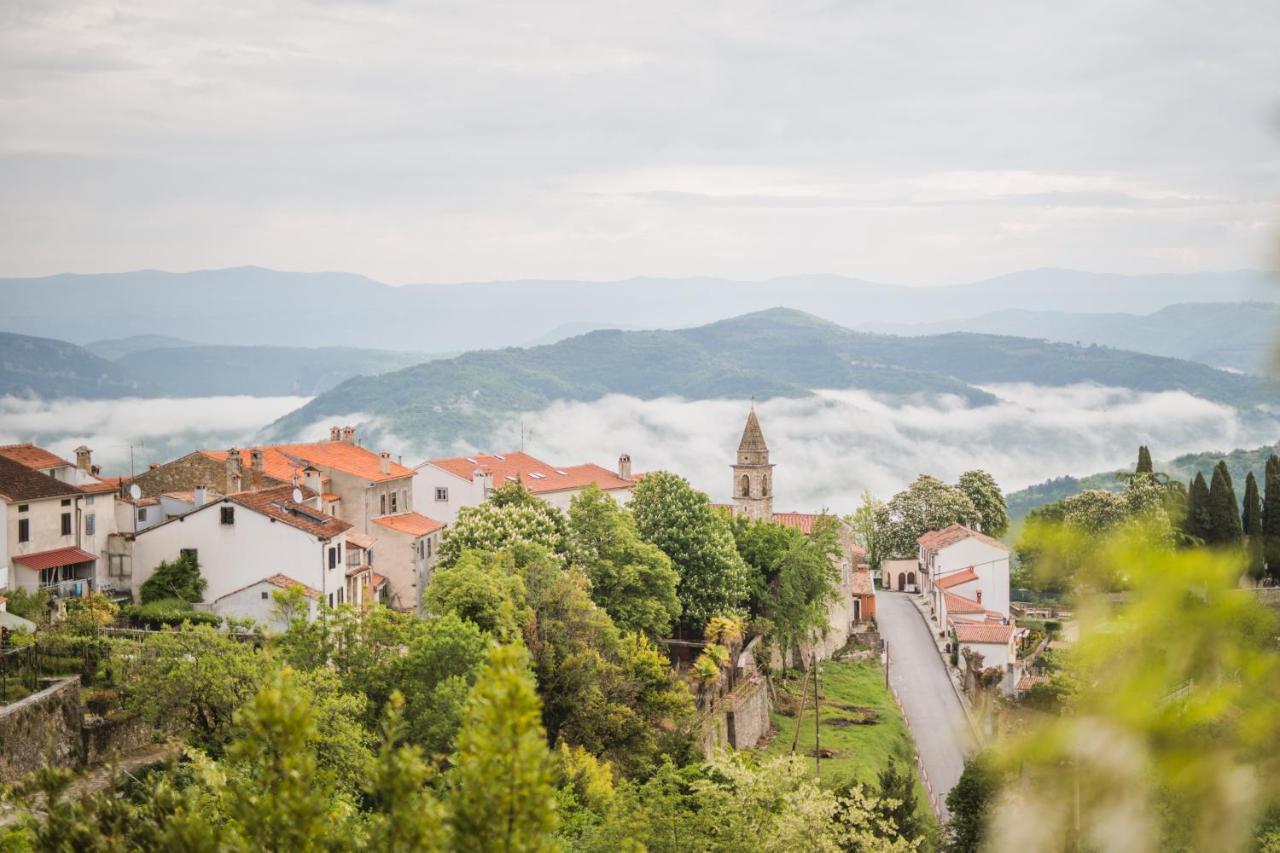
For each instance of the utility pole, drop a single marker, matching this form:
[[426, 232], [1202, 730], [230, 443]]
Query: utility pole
[[817, 717]]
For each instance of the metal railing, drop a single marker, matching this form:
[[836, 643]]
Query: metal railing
[[71, 588]]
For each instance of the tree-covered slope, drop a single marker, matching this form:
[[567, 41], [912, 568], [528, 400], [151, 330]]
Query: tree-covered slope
[[43, 367], [774, 353]]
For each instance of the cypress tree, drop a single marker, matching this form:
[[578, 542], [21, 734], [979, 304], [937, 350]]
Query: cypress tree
[[1144, 461], [1196, 522], [1271, 514], [1224, 509], [1252, 520]]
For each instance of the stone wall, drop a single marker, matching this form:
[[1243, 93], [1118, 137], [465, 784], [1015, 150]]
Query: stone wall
[[42, 730], [105, 739], [740, 719]]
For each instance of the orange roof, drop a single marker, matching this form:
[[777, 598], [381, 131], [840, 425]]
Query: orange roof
[[275, 465], [344, 457], [980, 632], [286, 582], [960, 604], [862, 581], [956, 578], [536, 475], [355, 539], [377, 580], [936, 540], [802, 521], [278, 503], [32, 456], [411, 523], [1026, 682]]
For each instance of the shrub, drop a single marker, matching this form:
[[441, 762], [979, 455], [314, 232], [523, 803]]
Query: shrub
[[167, 613], [179, 579]]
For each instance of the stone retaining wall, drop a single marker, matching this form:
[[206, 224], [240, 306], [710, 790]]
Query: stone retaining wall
[[42, 730]]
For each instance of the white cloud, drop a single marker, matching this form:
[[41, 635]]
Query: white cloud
[[159, 429], [830, 447]]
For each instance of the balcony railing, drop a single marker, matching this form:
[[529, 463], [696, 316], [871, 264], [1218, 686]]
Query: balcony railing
[[71, 588]]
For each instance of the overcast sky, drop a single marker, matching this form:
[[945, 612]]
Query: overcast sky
[[906, 142]]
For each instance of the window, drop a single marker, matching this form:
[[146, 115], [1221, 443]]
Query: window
[[442, 493], [88, 500], [90, 524], [189, 554], [228, 515], [339, 549], [66, 524], [331, 599], [66, 501], [393, 501], [333, 563], [24, 530], [265, 595], [142, 513], [744, 488], [430, 539], [340, 591], [23, 507]]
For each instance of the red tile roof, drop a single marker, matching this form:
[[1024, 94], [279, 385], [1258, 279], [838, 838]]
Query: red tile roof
[[956, 578], [99, 488], [1026, 682], [275, 465], [355, 539], [411, 523], [348, 458], [278, 503], [802, 521], [286, 582], [861, 584], [33, 456], [537, 476], [56, 557], [377, 580], [979, 632], [936, 540], [18, 483], [960, 604]]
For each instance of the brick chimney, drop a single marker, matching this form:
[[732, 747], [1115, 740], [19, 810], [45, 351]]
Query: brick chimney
[[624, 466], [83, 458], [335, 433], [349, 434], [384, 463], [234, 465], [256, 462]]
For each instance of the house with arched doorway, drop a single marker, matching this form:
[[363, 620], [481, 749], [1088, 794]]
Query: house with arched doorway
[[900, 575]]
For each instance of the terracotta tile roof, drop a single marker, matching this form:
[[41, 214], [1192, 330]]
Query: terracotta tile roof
[[19, 483], [861, 584], [802, 521], [341, 456], [278, 503], [275, 465], [411, 523], [190, 497], [960, 604], [356, 539], [983, 633], [1026, 682], [538, 476], [99, 488], [33, 456], [377, 580], [936, 540], [956, 578], [56, 557]]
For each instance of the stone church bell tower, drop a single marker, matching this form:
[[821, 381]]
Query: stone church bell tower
[[752, 474]]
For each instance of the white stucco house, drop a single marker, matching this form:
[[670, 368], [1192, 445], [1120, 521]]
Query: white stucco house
[[243, 539], [997, 644], [443, 486], [963, 563]]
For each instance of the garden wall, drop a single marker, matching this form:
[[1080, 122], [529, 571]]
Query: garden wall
[[42, 730], [741, 719]]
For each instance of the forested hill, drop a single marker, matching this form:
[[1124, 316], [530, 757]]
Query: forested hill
[[43, 367], [1182, 468], [774, 353]]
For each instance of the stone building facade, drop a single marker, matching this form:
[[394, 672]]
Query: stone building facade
[[753, 474]]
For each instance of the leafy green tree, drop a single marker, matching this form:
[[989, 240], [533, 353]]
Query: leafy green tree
[[805, 587], [483, 588], [1144, 461], [897, 800], [1224, 510], [981, 489], [406, 816], [1251, 521], [631, 579], [440, 667], [1197, 522], [178, 578], [1095, 510], [90, 612], [194, 681], [970, 804], [1271, 515], [866, 529], [501, 791], [512, 516], [713, 578], [927, 504], [762, 546]]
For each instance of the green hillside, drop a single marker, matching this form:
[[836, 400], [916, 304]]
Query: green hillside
[[774, 353], [43, 367]]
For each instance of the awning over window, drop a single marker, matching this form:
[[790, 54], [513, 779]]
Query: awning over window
[[54, 558]]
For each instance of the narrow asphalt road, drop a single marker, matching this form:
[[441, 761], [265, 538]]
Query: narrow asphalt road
[[917, 672]]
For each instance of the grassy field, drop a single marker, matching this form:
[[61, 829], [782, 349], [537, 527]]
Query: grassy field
[[861, 725]]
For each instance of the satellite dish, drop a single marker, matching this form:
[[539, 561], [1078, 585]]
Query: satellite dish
[[135, 492], [297, 496]]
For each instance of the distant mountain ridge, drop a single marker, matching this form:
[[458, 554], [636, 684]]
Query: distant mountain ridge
[[1235, 335], [255, 306], [775, 353]]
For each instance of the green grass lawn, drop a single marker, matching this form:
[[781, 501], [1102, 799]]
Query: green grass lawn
[[860, 751]]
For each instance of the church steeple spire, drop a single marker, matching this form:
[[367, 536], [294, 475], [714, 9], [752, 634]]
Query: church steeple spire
[[753, 473]]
